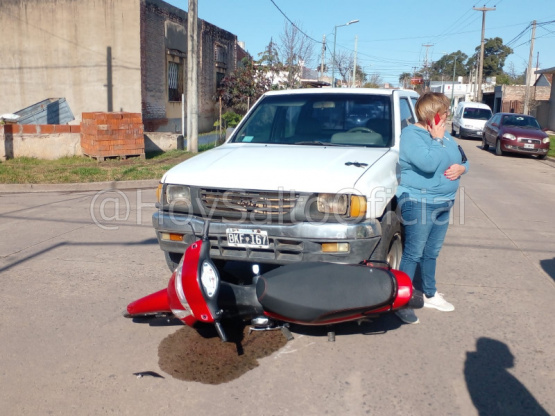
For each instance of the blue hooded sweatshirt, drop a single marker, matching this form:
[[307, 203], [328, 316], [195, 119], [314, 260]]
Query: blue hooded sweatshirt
[[423, 161]]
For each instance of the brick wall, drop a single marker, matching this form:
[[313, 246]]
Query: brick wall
[[50, 141], [158, 113], [18, 129], [112, 134], [153, 62]]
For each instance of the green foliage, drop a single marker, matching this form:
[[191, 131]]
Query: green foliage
[[244, 86], [495, 54], [444, 67], [229, 119]]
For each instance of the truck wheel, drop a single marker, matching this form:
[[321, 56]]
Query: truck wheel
[[390, 247], [172, 259]]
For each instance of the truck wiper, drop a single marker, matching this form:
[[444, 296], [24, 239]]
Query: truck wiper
[[315, 143]]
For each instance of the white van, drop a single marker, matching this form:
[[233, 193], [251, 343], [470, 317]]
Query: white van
[[469, 119]]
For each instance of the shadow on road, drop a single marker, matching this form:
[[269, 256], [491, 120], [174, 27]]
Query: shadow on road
[[548, 266], [494, 390], [148, 241]]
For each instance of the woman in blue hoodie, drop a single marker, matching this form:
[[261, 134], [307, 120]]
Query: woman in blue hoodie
[[431, 165]]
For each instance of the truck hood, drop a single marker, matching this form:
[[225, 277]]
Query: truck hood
[[326, 169]]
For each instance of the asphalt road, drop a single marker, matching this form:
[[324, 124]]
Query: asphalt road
[[70, 261]]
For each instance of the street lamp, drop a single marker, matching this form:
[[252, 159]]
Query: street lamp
[[334, 40]]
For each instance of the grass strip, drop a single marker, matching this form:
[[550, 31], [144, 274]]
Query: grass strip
[[25, 170]]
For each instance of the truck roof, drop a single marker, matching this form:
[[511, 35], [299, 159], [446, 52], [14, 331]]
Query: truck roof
[[374, 91]]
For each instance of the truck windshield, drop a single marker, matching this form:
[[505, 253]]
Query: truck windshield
[[319, 119]]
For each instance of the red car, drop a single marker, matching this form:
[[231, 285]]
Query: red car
[[515, 133]]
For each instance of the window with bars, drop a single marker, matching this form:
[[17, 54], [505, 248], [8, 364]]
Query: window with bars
[[175, 81], [220, 54]]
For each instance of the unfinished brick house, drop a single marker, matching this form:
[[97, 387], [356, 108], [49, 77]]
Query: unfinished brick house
[[109, 55]]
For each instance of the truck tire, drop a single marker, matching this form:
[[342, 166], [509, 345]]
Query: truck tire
[[390, 247], [172, 259]]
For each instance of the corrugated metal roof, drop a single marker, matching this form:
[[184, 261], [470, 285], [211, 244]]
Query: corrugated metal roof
[[49, 111]]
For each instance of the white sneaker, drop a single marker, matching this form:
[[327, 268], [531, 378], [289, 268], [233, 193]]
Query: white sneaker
[[437, 302], [407, 316]]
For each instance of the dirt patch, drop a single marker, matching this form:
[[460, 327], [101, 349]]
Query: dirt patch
[[199, 355]]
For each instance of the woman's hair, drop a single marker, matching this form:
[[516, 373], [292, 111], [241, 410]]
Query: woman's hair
[[431, 103]]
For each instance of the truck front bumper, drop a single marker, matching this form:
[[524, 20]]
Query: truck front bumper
[[288, 243]]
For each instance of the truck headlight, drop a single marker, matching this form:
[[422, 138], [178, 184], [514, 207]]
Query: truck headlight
[[332, 204], [545, 140], [178, 195], [509, 136], [339, 204]]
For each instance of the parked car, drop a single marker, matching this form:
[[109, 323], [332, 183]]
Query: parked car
[[299, 179], [469, 119], [515, 133]]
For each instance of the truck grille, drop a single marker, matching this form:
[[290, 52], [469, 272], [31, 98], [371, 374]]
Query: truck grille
[[258, 202]]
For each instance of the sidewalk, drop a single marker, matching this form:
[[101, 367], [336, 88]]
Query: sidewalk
[[96, 186], [78, 187]]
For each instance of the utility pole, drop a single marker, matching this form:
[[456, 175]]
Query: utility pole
[[323, 57], [426, 72], [355, 63], [481, 66], [453, 88], [529, 71], [192, 83]]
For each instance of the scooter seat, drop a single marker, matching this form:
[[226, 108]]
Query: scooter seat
[[322, 292]]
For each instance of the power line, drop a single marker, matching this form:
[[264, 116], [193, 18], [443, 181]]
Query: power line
[[293, 24]]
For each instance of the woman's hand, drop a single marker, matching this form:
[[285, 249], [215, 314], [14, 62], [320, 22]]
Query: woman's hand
[[454, 172], [437, 131]]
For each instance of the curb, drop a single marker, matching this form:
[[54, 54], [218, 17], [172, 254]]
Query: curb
[[78, 187]]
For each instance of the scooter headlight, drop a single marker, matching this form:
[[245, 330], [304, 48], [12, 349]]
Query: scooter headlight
[[209, 278]]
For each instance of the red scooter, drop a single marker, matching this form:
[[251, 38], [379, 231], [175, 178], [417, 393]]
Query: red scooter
[[314, 293]]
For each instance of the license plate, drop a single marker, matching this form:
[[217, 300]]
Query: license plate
[[528, 146], [237, 237]]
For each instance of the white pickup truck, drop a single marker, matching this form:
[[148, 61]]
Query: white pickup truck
[[308, 175]]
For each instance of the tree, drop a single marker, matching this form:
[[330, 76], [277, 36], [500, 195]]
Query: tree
[[244, 86], [360, 76], [442, 69], [495, 54], [510, 77], [296, 52], [404, 79], [270, 59], [343, 64], [375, 81]]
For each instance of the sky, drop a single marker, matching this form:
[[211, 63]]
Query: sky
[[391, 34]]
